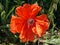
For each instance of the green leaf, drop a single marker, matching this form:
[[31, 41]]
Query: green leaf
[[55, 6], [56, 1], [1, 7], [19, 2], [10, 12], [6, 5], [55, 41], [3, 15]]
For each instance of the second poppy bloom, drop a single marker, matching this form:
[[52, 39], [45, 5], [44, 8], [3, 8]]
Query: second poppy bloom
[[27, 24]]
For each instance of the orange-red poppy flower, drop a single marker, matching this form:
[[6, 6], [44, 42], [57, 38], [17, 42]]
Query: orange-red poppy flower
[[27, 24]]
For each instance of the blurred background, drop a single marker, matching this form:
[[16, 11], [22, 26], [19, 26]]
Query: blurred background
[[50, 7]]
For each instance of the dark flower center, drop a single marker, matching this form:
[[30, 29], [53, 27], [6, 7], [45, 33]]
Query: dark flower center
[[30, 21]]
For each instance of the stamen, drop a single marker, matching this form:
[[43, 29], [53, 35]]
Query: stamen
[[30, 21]]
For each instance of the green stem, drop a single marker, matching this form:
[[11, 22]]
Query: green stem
[[10, 12], [51, 16]]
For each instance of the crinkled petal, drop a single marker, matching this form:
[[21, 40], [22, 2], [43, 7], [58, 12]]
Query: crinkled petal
[[35, 9], [24, 11], [19, 11], [16, 24], [42, 24], [39, 29], [27, 34], [28, 10], [42, 17]]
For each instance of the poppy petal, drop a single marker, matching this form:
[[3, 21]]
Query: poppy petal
[[35, 9], [38, 29], [42, 17], [16, 24], [27, 9], [43, 20], [27, 34], [19, 11], [42, 24], [24, 11]]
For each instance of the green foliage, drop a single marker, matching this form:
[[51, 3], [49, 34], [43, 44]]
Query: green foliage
[[55, 41], [50, 7]]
